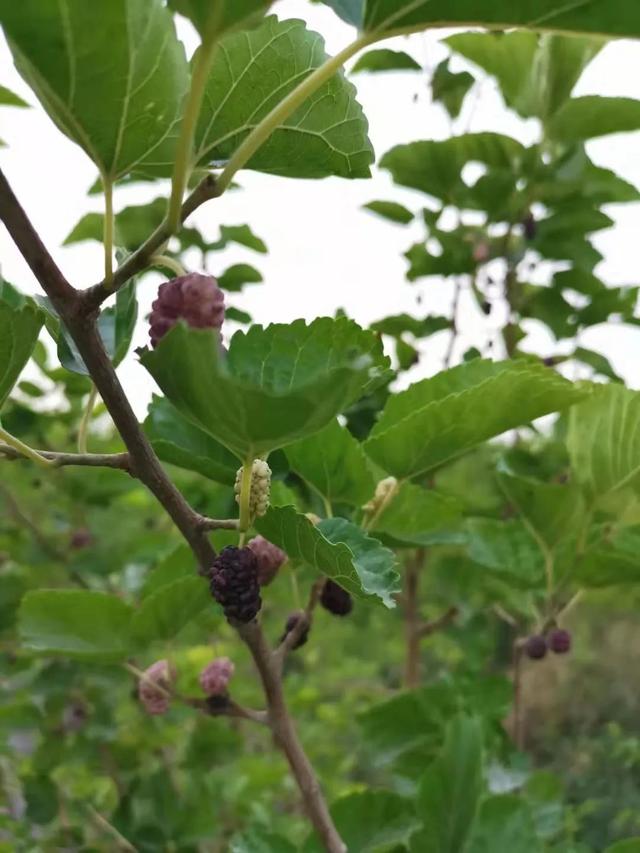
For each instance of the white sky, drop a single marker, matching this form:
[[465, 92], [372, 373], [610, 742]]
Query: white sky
[[325, 252]]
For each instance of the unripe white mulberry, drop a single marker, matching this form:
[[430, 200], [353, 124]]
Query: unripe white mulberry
[[260, 488], [382, 493]]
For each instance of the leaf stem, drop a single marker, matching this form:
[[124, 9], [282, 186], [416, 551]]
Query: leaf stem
[[263, 130], [184, 153], [24, 449], [108, 231], [86, 417], [170, 263]]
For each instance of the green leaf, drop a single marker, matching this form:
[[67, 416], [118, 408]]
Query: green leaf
[[593, 115], [115, 89], [608, 565], [418, 516], [603, 442], [277, 384], [333, 462], [221, 15], [385, 60], [176, 565], [391, 17], [450, 791], [508, 549], [133, 225], [236, 276], [450, 88], [180, 442], [166, 611], [627, 845], [240, 234], [597, 362], [440, 418], [435, 167], [390, 210], [397, 324], [259, 841], [551, 511], [82, 624], [371, 822], [10, 99], [251, 73], [504, 825], [336, 548], [19, 330]]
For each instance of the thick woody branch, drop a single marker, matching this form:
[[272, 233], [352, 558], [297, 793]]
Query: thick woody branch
[[144, 464], [63, 460], [142, 257], [286, 737]]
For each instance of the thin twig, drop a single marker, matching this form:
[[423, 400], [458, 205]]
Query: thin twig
[[224, 706], [303, 623], [412, 572], [109, 828], [205, 523], [518, 733], [428, 628], [455, 304], [94, 296], [62, 460]]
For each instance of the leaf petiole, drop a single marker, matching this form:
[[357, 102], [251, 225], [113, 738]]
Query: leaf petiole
[[24, 449]]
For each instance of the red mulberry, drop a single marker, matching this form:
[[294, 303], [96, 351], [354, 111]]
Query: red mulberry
[[214, 678], [194, 298], [270, 558], [560, 641], [156, 700]]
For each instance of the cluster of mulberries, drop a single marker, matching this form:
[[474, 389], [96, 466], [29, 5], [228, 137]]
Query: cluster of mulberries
[[558, 641], [270, 558], [194, 298], [154, 686], [215, 677], [234, 583], [335, 599]]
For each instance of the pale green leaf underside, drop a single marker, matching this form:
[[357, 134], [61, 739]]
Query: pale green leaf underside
[[19, 329], [604, 440], [593, 115], [418, 516], [252, 72], [277, 385], [113, 80], [220, 15], [440, 418], [337, 549]]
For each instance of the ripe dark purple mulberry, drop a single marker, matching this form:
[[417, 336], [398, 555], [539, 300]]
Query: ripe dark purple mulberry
[[269, 556], [536, 647], [335, 599], [529, 226], [194, 298], [234, 583], [559, 641], [292, 621]]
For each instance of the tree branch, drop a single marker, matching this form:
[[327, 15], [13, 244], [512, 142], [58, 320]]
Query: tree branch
[[68, 302], [94, 296], [224, 706], [286, 737], [63, 460], [438, 624], [205, 523], [305, 618]]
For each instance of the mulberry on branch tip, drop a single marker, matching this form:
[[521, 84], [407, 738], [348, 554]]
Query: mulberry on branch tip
[[194, 298], [270, 558], [335, 599], [292, 621], [260, 488], [215, 677], [155, 700]]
